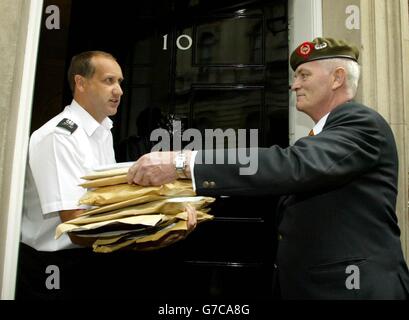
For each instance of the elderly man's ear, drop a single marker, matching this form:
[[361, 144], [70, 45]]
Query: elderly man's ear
[[339, 78]]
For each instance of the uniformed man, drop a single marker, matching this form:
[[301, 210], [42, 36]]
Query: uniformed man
[[68, 146], [60, 152]]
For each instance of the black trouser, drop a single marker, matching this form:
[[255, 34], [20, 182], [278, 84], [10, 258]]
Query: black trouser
[[84, 274], [276, 285]]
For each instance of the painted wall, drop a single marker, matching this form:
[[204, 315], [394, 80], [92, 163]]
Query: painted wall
[[10, 24], [381, 29], [342, 20], [20, 21], [305, 23]]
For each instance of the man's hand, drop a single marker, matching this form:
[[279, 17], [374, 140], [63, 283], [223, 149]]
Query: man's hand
[[67, 215], [156, 168], [191, 219]]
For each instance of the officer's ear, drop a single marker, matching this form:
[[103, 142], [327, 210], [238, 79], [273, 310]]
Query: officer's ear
[[339, 78], [79, 83]]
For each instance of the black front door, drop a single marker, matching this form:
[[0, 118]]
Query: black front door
[[211, 64]]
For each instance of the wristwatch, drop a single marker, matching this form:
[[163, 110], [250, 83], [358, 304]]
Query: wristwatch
[[180, 165]]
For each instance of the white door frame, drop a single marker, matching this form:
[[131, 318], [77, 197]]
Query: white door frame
[[23, 103], [305, 23]]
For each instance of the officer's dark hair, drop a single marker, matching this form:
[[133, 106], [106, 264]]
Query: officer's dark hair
[[81, 64]]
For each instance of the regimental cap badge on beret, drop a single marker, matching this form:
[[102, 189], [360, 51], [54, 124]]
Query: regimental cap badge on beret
[[322, 48], [305, 49]]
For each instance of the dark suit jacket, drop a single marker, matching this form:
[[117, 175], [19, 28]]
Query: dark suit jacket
[[340, 190]]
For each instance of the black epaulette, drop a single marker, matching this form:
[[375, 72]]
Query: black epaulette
[[68, 124]]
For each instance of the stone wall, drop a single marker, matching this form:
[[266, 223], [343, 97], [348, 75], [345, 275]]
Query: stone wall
[[380, 28]]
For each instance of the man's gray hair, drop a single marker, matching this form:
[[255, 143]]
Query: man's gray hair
[[353, 70]]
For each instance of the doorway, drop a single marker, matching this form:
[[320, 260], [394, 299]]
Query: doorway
[[211, 64]]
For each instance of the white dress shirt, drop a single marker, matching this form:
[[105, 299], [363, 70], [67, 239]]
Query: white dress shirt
[[57, 160], [320, 124]]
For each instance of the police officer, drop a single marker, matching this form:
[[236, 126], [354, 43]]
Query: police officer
[[64, 149], [60, 152]]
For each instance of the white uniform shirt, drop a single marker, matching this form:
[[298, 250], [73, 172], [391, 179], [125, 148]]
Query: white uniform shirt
[[57, 160]]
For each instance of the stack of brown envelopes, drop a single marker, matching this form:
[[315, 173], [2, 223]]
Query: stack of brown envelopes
[[124, 216]]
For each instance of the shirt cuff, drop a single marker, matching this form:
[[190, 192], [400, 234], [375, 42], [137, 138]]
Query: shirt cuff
[[61, 206], [192, 166]]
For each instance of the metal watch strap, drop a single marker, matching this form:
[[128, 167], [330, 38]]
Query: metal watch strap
[[180, 165]]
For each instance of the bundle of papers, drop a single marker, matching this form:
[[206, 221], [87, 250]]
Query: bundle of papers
[[124, 216]]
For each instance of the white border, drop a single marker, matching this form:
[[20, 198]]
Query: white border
[[20, 151], [305, 24]]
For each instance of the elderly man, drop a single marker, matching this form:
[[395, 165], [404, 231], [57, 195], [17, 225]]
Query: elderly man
[[338, 231]]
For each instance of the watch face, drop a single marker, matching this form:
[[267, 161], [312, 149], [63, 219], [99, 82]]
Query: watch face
[[180, 161]]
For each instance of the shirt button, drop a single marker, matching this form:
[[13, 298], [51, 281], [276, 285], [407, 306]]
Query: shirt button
[[275, 266], [206, 184], [280, 237], [212, 184]]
